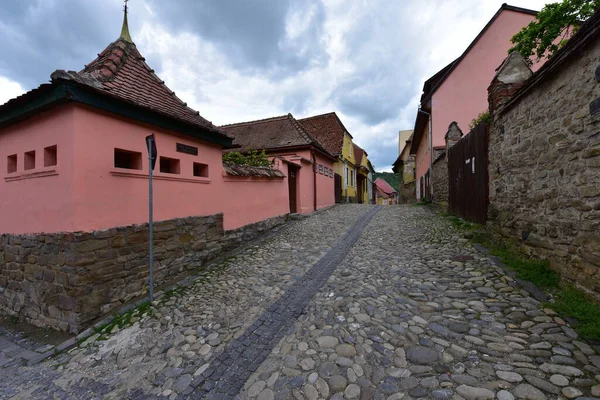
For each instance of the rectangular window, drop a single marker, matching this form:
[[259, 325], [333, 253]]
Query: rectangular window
[[50, 156], [30, 160], [128, 159], [11, 164], [169, 165], [201, 170]]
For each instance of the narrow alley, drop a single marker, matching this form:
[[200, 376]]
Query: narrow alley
[[356, 302]]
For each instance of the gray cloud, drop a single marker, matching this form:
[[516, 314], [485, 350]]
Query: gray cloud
[[277, 56], [41, 36], [252, 33]]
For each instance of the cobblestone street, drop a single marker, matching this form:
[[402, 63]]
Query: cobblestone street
[[357, 302]]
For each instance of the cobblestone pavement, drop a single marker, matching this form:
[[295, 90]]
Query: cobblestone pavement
[[411, 311]]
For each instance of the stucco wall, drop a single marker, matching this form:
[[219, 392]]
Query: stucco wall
[[106, 196], [325, 183], [85, 192], [40, 199], [544, 169]]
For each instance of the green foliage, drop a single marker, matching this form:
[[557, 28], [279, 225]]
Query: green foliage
[[482, 117], [252, 158], [528, 269], [555, 23], [389, 177], [573, 303], [568, 301]]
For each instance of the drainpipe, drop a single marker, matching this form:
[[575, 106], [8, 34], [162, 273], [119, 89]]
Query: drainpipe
[[430, 152], [314, 160]]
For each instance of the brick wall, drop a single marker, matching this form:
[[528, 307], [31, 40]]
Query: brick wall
[[544, 169], [66, 280]]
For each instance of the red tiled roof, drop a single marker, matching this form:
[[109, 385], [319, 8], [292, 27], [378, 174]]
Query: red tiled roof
[[384, 186], [358, 154], [121, 71], [269, 133], [328, 130]]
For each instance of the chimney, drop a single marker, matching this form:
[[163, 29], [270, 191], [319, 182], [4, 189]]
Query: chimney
[[452, 136], [510, 77]]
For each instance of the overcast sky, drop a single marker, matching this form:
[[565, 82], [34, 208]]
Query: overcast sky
[[239, 60]]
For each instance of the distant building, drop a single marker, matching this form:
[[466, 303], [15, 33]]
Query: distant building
[[385, 193], [404, 166], [331, 133]]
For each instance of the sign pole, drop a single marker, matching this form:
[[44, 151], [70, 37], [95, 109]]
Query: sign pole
[[152, 153]]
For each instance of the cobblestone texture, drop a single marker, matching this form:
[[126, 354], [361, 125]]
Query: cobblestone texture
[[412, 311]]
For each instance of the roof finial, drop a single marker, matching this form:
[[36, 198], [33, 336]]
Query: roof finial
[[125, 29]]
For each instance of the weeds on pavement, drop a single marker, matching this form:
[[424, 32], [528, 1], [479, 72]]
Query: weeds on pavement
[[567, 300]]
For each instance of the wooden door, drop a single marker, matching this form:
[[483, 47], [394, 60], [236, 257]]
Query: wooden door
[[292, 183], [468, 175], [337, 187]]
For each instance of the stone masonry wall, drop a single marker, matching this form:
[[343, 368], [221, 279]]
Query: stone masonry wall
[[544, 169], [440, 182], [64, 281]]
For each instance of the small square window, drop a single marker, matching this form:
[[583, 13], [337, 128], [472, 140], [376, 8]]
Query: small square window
[[50, 156], [128, 159], [11, 164], [169, 165], [201, 170], [30, 160]]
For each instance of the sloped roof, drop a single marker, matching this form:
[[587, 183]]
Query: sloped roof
[[433, 81], [358, 153], [438, 79], [121, 71], [586, 34], [328, 130], [270, 133], [118, 81], [384, 186]]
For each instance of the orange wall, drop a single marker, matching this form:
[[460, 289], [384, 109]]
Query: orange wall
[[33, 202]]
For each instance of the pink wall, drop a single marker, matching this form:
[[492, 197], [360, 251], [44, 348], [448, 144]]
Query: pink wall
[[306, 176], [86, 192], [106, 196], [248, 200], [463, 95], [325, 184], [40, 199]]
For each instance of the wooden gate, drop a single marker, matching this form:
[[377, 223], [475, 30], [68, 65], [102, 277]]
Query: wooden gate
[[337, 187], [468, 175]]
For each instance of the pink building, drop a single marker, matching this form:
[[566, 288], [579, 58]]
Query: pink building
[[310, 166], [75, 158], [458, 92], [74, 191]]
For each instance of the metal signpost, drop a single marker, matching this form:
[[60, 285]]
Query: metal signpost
[[152, 154]]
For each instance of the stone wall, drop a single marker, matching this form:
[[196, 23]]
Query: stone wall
[[65, 281], [439, 181], [544, 170]]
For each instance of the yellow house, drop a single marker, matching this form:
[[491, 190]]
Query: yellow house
[[364, 175], [331, 133]]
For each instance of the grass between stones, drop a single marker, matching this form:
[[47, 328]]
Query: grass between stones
[[567, 300]]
